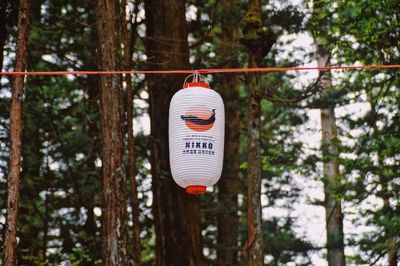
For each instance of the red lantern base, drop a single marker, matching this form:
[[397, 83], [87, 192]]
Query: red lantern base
[[196, 189]]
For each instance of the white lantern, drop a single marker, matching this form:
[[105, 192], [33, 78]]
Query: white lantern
[[196, 137]]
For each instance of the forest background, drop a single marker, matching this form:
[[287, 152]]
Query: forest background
[[320, 184]]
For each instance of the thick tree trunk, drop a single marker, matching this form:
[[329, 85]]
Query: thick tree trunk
[[333, 210], [13, 186], [176, 214], [131, 160], [229, 184], [258, 42], [255, 240], [114, 251]]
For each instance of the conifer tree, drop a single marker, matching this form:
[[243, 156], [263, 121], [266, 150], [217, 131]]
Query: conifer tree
[[14, 176]]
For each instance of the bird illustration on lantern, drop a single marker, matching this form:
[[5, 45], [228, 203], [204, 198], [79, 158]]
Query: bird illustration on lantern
[[196, 136]]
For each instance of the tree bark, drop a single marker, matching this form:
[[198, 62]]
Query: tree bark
[[258, 43], [176, 214], [131, 160], [13, 186], [391, 240], [114, 250], [229, 184], [255, 241], [330, 152]]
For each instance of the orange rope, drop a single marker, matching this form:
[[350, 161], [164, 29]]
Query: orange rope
[[188, 71], [59, 73], [277, 69]]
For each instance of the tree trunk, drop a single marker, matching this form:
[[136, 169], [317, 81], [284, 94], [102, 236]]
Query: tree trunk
[[390, 239], [258, 42], [45, 225], [229, 184], [114, 251], [330, 152], [255, 241], [131, 160], [176, 214], [10, 242]]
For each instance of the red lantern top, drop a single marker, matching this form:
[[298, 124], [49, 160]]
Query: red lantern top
[[196, 84]]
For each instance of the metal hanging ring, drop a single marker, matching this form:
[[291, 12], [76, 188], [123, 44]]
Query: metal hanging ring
[[196, 78]]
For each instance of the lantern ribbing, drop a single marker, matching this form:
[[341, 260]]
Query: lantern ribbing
[[196, 137]]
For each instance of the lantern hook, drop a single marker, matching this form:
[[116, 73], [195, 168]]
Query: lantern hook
[[196, 77]]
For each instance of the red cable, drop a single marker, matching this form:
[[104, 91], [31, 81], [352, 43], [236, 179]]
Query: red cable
[[59, 73], [188, 71], [276, 69]]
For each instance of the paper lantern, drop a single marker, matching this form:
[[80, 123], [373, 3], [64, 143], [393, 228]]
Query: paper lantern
[[196, 137]]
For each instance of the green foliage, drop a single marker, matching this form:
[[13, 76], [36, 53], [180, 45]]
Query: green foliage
[[282, 244], [367, 32]]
